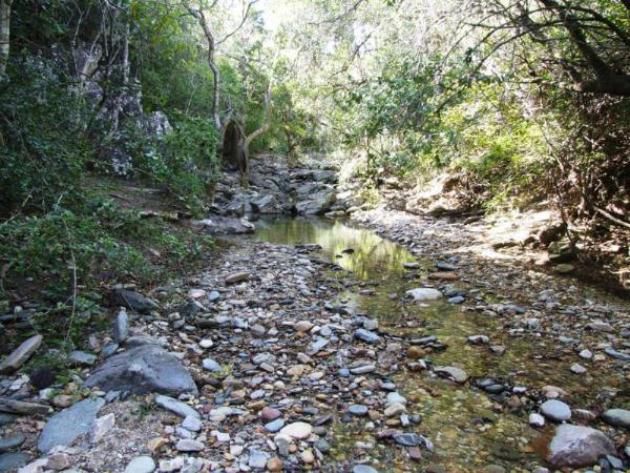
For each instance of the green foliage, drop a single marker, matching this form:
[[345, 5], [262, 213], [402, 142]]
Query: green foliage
[[174, 75], [185, 161], [98, 243], [43, 141]]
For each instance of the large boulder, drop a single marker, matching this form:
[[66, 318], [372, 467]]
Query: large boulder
[[315, 199], [577, 446], [147, 368], [66, 426]]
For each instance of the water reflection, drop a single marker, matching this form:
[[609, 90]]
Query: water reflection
[[368, 256]]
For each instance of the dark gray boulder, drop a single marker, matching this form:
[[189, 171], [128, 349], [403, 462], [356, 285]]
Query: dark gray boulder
[[66, 426], [315, 199], [12, 461], [147, 368], [133, 300]]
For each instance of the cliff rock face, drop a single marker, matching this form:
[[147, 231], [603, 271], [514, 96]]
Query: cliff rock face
[[117, 109]]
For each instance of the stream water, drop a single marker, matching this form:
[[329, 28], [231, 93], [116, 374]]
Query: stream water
[[468, 428]]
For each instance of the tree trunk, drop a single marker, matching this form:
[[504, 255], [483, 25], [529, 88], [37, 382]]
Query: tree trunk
[[126, 65], [216, 77], [5, 34]]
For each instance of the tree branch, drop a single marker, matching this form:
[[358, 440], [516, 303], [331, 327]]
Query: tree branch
[[243, 20]]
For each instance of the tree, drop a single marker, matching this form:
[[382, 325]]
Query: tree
[[200, 12], [5, 34], [585, 40]]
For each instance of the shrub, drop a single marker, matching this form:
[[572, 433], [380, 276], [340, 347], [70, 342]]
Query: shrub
[[44, 145]]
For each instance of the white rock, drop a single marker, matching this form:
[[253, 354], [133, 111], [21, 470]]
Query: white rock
[[578, 368], [536, 420], [586, 354], [101, 426], [424, 294], [297, 430], [168, 466], [206, 343], [192, 423], [143, 464]]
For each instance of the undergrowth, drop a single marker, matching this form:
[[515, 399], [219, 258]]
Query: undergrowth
[[67, 258]]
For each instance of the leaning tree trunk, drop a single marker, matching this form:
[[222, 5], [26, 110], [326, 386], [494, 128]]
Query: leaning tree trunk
[[5, 34]]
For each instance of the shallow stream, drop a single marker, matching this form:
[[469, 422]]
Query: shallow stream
[[468, 428]]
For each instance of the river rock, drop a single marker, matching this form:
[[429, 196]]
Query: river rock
[[364, 469], [6, 419], [192, 423], [141, 370], [297, 430], [617, 354], [66, 426], [617, 417], [410, 439], [275, 464], [180, 408], [366, 336], [586, 354], [424, 294], [21, 354], [536, 420], [10, 462], [395, 398], [133, 300], [13, 406], [143, 464], [101, 427], [81, 358], [189, 445], [274, 426], [577, 446], [317, 346], [577, 368], [556, 410], [120, 331], [11, 441], [479, 339], [363, 369], [269, 413], [456, 374], [258, 459], [358, 410], [211, 365], [240, 276]]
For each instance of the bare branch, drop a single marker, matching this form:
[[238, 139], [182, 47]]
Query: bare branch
[[249, 6]]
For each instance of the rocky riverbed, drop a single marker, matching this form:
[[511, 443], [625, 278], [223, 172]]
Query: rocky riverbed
[[312, 345]]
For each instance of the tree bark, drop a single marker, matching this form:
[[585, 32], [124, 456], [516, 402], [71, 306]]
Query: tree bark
[[216, 77], [5, 34]]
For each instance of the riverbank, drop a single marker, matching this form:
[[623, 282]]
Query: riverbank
[[303, 351]]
